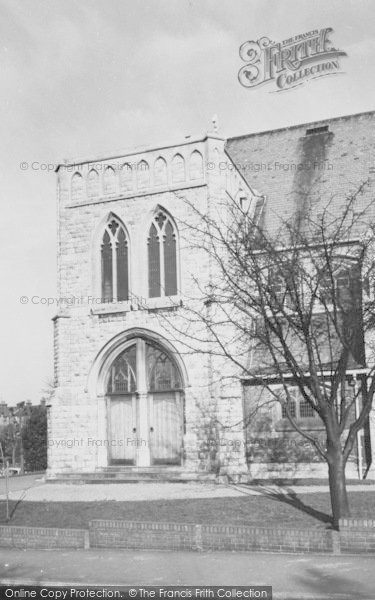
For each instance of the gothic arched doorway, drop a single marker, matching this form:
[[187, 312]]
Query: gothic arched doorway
[[145, 407]]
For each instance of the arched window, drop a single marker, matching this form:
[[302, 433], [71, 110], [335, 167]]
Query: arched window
[[178, 169], [126, 178], [162, 374], [123, 373], [143, 174], [196, 165], [160, 171], [162, 257], [114, 263], [109, 181], [77, 187], [93, 184]]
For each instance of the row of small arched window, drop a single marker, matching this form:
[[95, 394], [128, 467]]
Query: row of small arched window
[[161, 259], [135, 176]]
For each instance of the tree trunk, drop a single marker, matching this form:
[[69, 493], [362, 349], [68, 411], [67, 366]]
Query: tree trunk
[[337, 485]]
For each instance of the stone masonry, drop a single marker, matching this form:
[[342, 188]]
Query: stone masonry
[[88, 332]]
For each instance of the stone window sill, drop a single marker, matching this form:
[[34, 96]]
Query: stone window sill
[[108, 308], [163, 302], [151, 304]]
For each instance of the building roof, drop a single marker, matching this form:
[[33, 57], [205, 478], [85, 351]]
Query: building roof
[[303, 167]]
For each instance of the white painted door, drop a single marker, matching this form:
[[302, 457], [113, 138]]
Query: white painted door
[[166, 428], [122, 430]]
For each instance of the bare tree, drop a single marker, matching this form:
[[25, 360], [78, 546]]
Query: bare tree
[[289, 305]]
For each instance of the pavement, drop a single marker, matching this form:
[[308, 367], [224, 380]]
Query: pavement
[[34, 488], [293, 577], [21, 482]]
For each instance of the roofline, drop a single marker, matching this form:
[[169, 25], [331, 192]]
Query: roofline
[[191, 139], [247, 184], [328, 119], [199, 138]]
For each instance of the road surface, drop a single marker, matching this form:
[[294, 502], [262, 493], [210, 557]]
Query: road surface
[[293, 576]]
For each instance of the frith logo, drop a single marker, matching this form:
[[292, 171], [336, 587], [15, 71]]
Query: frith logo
[[289, 63]]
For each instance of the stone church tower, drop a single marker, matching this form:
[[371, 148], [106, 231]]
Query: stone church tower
[[129, 395]]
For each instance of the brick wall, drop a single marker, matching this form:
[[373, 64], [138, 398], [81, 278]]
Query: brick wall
[[42, 537], [299, 173], [129, 534], [336, 162], [357, 536], [148, 535]]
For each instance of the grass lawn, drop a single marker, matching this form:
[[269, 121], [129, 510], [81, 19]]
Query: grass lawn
[[300, 510]]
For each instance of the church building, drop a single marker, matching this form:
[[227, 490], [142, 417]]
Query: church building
[[131, 396]]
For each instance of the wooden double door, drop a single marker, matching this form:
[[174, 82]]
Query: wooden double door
[[164, 437], [145, 426]]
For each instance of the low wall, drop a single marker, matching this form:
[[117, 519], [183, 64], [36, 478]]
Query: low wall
[[42, 537], [148, 535], [354, 536], [357, 536]]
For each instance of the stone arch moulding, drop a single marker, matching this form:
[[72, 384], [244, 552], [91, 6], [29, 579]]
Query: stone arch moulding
[[196, 165], [93, 183], [149, 217], [109, 181], [143, 174], [160, 171], [97, 375], [77, 186], [126, 178], [178, 168]]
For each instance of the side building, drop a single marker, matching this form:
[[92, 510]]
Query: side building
[[301, 170]]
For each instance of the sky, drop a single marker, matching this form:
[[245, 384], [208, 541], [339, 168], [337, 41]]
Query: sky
[[90, 78]]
